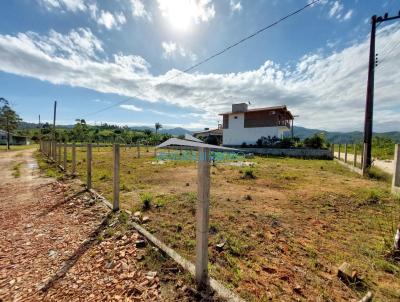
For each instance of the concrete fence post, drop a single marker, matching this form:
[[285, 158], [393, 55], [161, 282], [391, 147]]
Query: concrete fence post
[[396, 170], [345, 153], [116, 178], [65, 157], [138, 149], [89, 166], [73, 158], [355, 156], [59, 154], [339, 152], [364, 164], [362, 155], [202, 218], [53, 150]]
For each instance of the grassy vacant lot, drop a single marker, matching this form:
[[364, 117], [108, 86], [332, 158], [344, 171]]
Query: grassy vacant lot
[[286, 224], [378, 151]]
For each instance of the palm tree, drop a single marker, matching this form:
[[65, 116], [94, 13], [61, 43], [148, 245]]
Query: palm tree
[[158, 126]]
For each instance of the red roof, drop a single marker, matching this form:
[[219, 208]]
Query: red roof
[[282, 107]]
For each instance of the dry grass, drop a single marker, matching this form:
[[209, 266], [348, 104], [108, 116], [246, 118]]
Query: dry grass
[[285, 231]]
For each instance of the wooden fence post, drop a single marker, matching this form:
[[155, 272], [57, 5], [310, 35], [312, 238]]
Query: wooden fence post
[[138, 149], [65, 157], [333, 150], [345, 153], [116, 178], [396, 170], [202, 218], [89, 166], [73, 158], [355, 156], [339, 152]]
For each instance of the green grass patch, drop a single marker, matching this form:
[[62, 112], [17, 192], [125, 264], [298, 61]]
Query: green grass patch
[[16, 170]]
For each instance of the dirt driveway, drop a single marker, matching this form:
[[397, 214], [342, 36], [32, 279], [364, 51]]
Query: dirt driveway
[[50, 247], [385, 165]]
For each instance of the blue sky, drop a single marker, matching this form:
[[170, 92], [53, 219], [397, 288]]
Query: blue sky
[[89, 55]]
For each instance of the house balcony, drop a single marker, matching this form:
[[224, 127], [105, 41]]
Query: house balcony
[[284, 124]]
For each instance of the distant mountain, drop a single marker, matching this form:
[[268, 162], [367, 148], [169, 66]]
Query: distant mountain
[[173, 131], [176, 131], [341, 137]]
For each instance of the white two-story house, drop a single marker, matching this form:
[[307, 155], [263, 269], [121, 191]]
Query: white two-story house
[[243, 125]]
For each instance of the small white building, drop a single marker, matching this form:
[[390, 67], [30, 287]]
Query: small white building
[[243, 125]]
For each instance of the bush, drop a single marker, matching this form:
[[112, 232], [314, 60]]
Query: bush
[[146, 199], [244, 145], [248, 174], [317, 141], [286, 143]]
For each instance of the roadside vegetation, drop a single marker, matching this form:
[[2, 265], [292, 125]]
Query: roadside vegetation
[[278, 229], [382, 148]]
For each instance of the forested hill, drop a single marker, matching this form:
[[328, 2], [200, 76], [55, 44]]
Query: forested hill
[[342, 137]]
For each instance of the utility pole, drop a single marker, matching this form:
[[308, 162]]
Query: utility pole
[[369, 102]]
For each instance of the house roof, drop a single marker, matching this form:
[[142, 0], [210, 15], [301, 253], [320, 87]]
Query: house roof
[[189, 137], [209, 132], [281, 107]]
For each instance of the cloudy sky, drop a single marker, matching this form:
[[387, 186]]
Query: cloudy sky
[[121, 61]]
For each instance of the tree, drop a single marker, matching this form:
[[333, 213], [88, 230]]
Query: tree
[[158, 126], [9, 119], [80, 130], [147, 132]]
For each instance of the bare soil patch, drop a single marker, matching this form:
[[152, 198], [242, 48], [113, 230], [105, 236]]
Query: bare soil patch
[[59, 244]]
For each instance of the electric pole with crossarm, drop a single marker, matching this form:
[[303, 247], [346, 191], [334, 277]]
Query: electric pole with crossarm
[[369, 103]]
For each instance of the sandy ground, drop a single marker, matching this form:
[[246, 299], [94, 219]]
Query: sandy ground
[[385, 165], [49, 247]]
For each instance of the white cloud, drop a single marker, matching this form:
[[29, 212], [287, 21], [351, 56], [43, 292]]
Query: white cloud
[[104, 18], [235, 6], [348, 15], [326, 91], [337, 11], [172, 49], [139, 10], [69, 5], [101, 101], [110, 20], [183, 13], [131, 107]]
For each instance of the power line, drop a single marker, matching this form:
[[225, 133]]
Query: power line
[[215, 54], [389, 52], [248, 37]]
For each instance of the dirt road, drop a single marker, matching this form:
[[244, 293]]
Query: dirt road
[[385, 165], [49, 242]]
